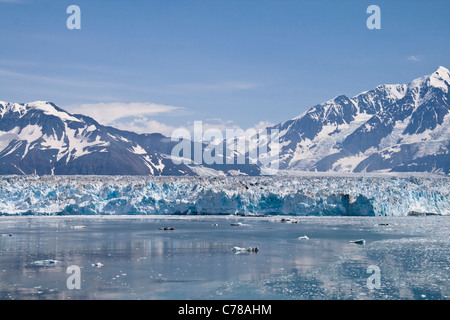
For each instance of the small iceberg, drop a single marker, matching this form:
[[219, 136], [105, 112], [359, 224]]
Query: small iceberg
[[238, 224], [287, 220], [97, 264], [303, 238], [360, 242], [48, 262], [249, 249], [78, 227]]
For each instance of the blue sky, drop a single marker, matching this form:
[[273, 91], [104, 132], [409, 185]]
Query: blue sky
[[160, 64]]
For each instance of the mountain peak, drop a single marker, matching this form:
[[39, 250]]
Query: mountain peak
[[440, 78], [442, 73], [442, 69], [50, 109]]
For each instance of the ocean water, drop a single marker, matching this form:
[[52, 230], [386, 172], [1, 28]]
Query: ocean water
[[129, 257]]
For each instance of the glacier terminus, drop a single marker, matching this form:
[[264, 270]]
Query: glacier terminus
[[339, 195]]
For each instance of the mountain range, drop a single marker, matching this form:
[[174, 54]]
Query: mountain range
[[41, 138], [400, 128], [392, 128]]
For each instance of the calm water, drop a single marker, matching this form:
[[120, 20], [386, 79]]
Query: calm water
[[196, 261]]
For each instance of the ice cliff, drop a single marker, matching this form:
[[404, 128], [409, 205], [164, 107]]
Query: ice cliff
[[283, 195]]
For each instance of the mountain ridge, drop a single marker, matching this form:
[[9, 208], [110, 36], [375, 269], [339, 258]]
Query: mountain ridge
[[41, 138], [391, 128], [343, 133]]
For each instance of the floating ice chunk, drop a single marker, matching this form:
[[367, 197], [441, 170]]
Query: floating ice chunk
[[167, 228], [48, 262], [303, 238], [78, 227], [237, 224], [249, 249], [97, 264], [360, 241], [285, 220]]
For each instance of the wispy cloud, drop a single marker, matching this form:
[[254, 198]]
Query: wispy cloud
[[12, 1], [40, 80], [145, 124], [112, 112], [226, 86], [416, 58], [20, 63], [31, 80]]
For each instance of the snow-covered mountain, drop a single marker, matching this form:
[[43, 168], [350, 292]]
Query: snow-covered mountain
[[40, 138], [392, 128], [399, 128]]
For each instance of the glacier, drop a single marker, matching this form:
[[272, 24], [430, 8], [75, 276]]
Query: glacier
[[319, 195]]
